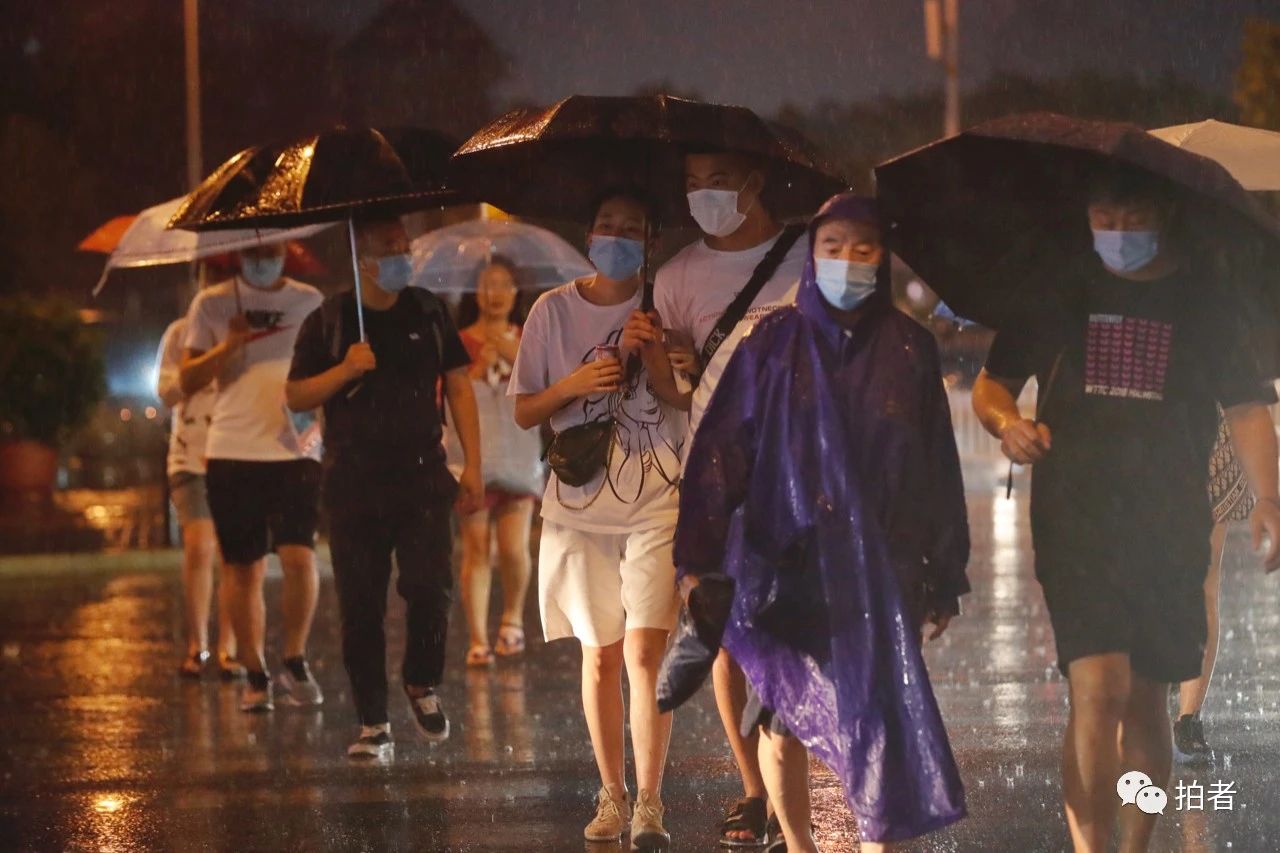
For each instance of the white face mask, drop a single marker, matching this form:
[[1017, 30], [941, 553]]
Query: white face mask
[[261, 272], [845, 284], [716, 211]]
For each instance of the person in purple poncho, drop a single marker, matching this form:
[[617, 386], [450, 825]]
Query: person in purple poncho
[[824, 480]]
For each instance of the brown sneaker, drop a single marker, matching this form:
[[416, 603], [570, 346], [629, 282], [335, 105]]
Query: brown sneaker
[[647, 833], [610, 820]]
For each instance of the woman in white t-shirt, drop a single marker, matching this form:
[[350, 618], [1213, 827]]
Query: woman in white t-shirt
[[605, 574], [186, 470]]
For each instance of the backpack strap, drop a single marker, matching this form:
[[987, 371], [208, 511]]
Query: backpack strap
[[737, 309]]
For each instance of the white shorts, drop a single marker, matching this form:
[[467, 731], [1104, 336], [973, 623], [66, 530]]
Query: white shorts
[[598, 586]]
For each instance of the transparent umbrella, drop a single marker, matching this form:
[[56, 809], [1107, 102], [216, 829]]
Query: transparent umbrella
[[447, 260], [146, 242]]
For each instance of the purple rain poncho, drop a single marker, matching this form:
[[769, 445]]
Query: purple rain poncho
[[824, 480]]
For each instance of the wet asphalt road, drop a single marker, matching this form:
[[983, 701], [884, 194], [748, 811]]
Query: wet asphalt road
[[105, 749]]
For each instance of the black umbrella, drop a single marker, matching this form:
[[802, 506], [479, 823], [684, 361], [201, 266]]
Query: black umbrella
[[551, 161], [326, 177], [989, 217]]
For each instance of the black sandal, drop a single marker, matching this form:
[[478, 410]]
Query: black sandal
[[776, 842], [747, 815]]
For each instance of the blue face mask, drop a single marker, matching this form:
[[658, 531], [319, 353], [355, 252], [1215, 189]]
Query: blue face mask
[[261, 272], [1126, 251], [845, 284], [617, 258], [394, 272]]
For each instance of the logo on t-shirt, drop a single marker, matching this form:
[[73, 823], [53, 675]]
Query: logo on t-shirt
[[1127, 356], [264, 323]]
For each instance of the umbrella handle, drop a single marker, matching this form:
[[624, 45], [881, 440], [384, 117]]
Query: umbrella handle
[[355, 269]]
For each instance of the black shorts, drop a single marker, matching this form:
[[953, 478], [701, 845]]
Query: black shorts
[[1096, 608], [259, 506], [756, 716]]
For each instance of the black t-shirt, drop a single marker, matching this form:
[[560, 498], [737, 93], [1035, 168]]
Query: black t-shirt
[[1130, 376], [387, 424]]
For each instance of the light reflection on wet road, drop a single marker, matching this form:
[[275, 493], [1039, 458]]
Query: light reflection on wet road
[[104, 749]]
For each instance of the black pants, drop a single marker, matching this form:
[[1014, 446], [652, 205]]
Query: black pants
[[361, 543]]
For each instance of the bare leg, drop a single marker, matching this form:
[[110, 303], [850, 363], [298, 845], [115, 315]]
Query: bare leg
[[602, 706], [650, 730], [477, 575], [1099, 687], [298, 601], [199, 549], [731, 699], [1191, 694], [249, 611], [1146, 744], [514, 520], [784, 764], [226, 607]]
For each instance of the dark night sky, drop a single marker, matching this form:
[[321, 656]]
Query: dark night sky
[[762, 53]]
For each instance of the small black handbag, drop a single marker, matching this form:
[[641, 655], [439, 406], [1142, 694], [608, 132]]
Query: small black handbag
[[578, 454]]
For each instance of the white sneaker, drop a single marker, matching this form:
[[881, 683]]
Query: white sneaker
[[429, 717], [374, 744], [300, 692], [253, 701]]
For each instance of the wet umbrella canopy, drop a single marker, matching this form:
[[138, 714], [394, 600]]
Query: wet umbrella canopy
[[449, 259], [339, 174], [552, 161], [989, 216], [147, 242], [322, 178]]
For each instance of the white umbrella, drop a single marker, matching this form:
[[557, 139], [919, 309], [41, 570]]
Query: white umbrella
[[148, 243], [1250, 154], [446, 260]]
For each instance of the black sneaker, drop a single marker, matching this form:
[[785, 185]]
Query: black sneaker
[[1189, 746], [428, 715], [374, 744]]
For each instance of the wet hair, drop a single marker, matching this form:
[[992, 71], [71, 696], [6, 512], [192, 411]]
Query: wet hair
[[469, 306], [631, 192]]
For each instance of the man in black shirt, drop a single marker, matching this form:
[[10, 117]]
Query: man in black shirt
[[386, 486], [1131, 367]]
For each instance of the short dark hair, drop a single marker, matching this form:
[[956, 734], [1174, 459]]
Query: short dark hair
[[1127, 186], [631, 192]]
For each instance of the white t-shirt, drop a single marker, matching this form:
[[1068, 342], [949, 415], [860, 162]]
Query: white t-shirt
[[560, 336], [191, 415], [695, 287], [250, 419]]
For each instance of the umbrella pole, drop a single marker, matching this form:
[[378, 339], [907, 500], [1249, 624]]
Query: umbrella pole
[[355, 270]]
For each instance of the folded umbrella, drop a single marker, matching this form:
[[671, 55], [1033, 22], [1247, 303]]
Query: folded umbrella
[[697, 641], [990, 217], [448, 259], [146, 242], [1250, 154]]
